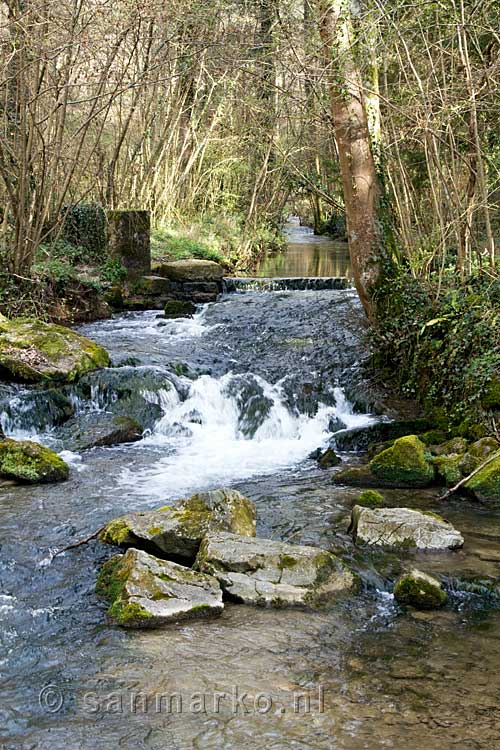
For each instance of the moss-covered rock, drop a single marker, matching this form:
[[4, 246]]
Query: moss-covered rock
[[190, 270], [370, 499], [485, 485], [146, 592], [329, 458], [98, 429], [402, 528], [176, 308], [361, 438], [268, 573], [419, 590], [484, 447], [178, 530], [448, 469], [454, 446], [406, 462], [33, 351], [30, 463]]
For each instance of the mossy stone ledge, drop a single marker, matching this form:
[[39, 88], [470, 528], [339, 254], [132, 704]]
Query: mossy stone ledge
[[32, 351], [27, 462]]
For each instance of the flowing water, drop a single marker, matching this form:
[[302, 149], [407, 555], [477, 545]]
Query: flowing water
[[240, 395], [307, 256]]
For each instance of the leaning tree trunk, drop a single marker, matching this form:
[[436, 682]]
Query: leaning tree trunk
[[357, 165]]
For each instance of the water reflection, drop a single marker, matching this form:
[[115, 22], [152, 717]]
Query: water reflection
[[306, 256]]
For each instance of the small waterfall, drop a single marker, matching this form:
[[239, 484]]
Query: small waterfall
[[233, 284], [230, 429]]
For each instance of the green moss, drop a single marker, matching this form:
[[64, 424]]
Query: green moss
[[448, 469], [433, 437], [431, 514], [128, 613], [370, 499], [484, 447], [419, 591], [406, 462], [287, 561], [486, 483], [31, 463], [109, 582], [117, 532], [154, 530]]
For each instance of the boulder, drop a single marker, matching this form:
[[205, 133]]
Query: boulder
[[274, 574], [420, 590], [127, 391], [329, 458], [146, 592], [403, 528], [485, 485], [191, 270], [152, 286], [30, 463], [178, 530], [404, 464], [176, 308], [32, 351], [98, 429]]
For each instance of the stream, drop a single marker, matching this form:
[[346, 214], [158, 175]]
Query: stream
[[240, 395]]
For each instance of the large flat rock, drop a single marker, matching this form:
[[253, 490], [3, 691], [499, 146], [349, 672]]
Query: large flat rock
[[275, 574], [177, 530], [33, 351], [190, 270], [146, 592], [403, 528]]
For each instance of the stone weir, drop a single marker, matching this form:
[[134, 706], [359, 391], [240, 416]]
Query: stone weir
[[296, 284]]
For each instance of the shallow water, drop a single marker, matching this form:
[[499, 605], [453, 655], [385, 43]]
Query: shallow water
[[307, 256], [376, 676]]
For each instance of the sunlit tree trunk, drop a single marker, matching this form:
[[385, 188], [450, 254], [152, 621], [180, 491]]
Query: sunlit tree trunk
[[350, 123]]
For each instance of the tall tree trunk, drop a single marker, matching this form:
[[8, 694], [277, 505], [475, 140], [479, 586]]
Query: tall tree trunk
[[357, 165]]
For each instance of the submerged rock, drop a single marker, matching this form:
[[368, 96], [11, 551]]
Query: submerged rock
[[33, 351], [178, 530], [30, 463], [329, 458], [405, 463], [99, 429], [146, 592], [176, 308], [420, 590], [275, 574], [403, 528], [485, 485]]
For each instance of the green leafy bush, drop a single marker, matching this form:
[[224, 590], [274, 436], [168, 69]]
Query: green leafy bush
[[440, 342], [85, 227]]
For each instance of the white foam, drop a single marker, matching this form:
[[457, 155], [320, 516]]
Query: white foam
[[208, 447]]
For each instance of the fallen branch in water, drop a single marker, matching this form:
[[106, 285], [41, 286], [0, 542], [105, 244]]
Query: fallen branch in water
[[87, 539], [466, 479]]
